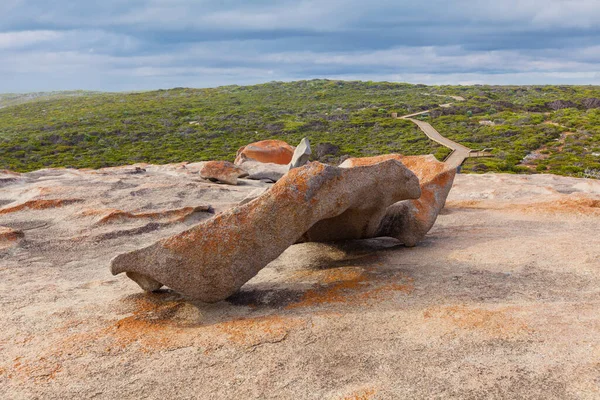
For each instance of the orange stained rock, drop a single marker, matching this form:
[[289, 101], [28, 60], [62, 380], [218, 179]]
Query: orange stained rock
[[39, 205], [174, 215], [363, 394], [266, 151], [496, 323], [266, 329], [40, 371], [575, 204], [350, 285], [9, 234], [223, 171]]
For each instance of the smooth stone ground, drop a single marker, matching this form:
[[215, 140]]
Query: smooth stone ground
[[500, 300]]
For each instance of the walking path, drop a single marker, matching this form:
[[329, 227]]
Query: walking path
[[459, 152]]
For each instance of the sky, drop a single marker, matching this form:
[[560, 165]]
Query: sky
[[124, 45]]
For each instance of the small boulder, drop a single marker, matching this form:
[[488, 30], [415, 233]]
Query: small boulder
[[266, 151], [301, 154], [222, 171]]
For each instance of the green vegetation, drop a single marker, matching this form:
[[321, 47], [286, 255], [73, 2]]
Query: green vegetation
[[96, 130], [11, 99]]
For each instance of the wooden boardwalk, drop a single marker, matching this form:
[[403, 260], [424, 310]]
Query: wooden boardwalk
[[459, 153]]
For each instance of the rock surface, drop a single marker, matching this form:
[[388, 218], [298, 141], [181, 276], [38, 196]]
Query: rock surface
[[222, 171], [264, 171], [9, 237], [214, 259], [301, 154], [410, 220], [266, 151], [500, 300]]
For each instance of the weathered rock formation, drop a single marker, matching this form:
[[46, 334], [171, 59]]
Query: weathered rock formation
[[410, 220], [266, 151], [215, 258], [222, 171], [301, 154]]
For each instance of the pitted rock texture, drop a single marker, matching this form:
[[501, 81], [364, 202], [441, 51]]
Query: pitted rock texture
[[266, 151], [410, 220], [214, 259], [222, 171]]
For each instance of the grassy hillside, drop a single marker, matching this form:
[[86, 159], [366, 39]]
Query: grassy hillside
[[95, 130], [11, 99]]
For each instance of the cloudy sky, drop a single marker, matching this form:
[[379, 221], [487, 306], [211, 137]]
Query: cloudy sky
[[117, 45]]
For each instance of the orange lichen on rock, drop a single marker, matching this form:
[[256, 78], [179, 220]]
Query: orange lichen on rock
[[253, 331], [496, 323], [9, 236], [175, 215], [577, 204], [569, 204], [40, 370], [266, 151], [222, 171], [157, 325], [362, 394], [39, 205], [349, 285]]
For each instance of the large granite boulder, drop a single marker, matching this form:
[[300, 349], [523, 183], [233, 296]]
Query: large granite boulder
[[222, 171], [215, 258], [266, 151], [410, 220]]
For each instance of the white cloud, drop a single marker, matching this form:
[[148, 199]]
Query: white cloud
[[117, 44], [14, 40]]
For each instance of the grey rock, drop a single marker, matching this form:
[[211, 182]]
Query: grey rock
[[301, 154], [261, 171]]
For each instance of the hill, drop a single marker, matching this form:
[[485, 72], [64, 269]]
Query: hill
[[530, 128], [11, 99]]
